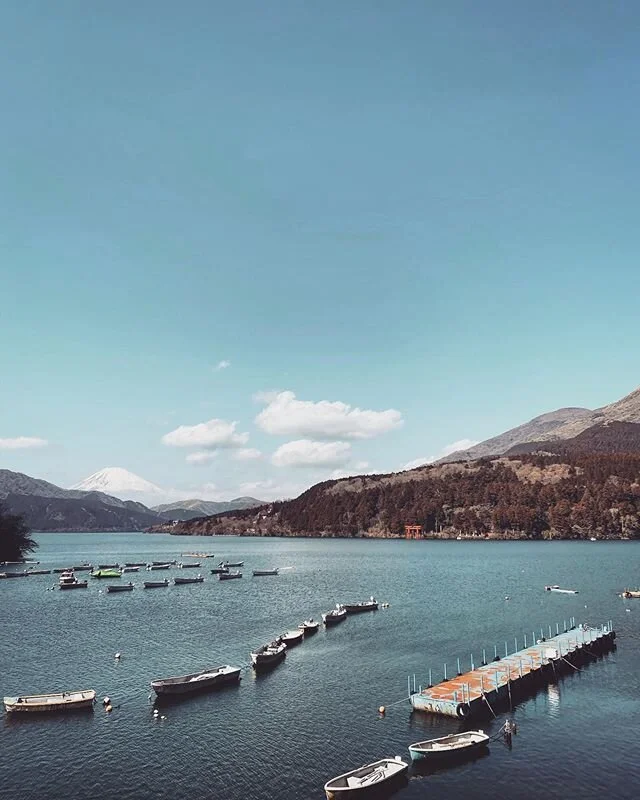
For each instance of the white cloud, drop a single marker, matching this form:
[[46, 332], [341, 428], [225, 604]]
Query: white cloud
[[201, 457], [285, 415], [22, 443], [247, 454], [307, 453], [447, 450], [361, 465], [216, 433], [224, 364]]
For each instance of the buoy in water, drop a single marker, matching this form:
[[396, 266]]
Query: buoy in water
[[381, 710], [106, 701], [108, 708], [117, 656]]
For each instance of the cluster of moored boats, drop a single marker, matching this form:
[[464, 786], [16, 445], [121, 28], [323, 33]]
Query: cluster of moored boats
[[225, 571]]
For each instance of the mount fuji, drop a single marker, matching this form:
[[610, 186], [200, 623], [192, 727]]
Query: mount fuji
[[121, 483]]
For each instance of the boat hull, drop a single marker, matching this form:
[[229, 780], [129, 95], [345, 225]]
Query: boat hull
[[229, 576], [359, 609], [128, 587], [381, 789], [262, 662], [441, 756], [155, 584], [164, 689], [330, 619], [183, 581], [76, 585], [47, 703]]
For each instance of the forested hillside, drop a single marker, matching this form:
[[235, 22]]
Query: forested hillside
[[532, 496]]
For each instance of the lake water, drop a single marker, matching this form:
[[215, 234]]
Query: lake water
[[285, 733]]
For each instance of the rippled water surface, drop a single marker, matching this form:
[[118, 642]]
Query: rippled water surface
[[315, 715]]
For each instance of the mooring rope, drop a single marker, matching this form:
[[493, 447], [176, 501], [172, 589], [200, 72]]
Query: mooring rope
[[486, 699], [577, 669]]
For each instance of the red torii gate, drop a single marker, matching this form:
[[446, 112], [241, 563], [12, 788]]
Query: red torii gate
[[413, 532]]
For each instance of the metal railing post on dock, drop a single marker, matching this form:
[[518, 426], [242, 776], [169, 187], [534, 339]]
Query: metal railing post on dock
[[506, 650], [495, 652], [445, 672], [459, 673], [414, 682], [430, 681], [484, 657], [564, 625], [533, 640], [541, 633], [408, 685], [557, 629], [550, 634], [472, 665], [525, 641]]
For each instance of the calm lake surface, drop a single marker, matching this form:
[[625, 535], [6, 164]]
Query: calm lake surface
[[285, 733]]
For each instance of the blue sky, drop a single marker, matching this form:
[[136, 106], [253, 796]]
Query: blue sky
[[422, 208]]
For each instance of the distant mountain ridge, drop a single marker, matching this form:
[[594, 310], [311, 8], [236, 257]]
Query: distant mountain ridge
[[563, 424], [48, 507], [190, 509]]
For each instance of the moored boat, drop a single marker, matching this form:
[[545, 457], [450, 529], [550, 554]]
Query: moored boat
[[309, 626], [154, 567], [260, 572], [156, 584], [69, 581], [135, 563], [108, 566], [198, 555], [456, 745], [180, 581], [269, 655], [559, 590], [189, 566], [228, 576], [106, 573], [58, 701], [231, 564], [369, 780], [338, 614], [629, 593], [356, 608], [130, 569], [38, 572], [292, 638], [220, 570], [197, 681], [120, 587]]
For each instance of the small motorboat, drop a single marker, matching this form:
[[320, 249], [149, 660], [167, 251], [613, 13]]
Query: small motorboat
[[339, 614], [269, 655], [130, 569], [59, 701], [453, 746], [181, 581], [229, 576], [153, 567], [559, 590], [629, 593], [83, 568], [106, 573], [38, 572], [195, 565], [171, 563], [369, 780], [135, 563], [197, 555], [259, 572], [120, 587], [197, 681], [357, 608], [309, 626], [156, 584], [292, 638], [108, 566], [231, 564], [220, 570], [69, 581]]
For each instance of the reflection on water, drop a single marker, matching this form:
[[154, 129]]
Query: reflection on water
[[553, 698]]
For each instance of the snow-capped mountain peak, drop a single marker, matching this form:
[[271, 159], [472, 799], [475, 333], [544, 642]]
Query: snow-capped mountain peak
[[119, 482]]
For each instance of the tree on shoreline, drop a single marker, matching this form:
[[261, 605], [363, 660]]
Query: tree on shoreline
[[15, 538]]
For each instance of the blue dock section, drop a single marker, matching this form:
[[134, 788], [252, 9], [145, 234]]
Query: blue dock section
[[479, 690]]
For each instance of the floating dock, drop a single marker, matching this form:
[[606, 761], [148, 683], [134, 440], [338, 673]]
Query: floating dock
[[478, 691]]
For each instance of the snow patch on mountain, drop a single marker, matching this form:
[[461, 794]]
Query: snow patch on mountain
[[119, 482]]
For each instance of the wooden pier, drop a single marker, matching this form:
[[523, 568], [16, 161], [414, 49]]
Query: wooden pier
[[509, 676]]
